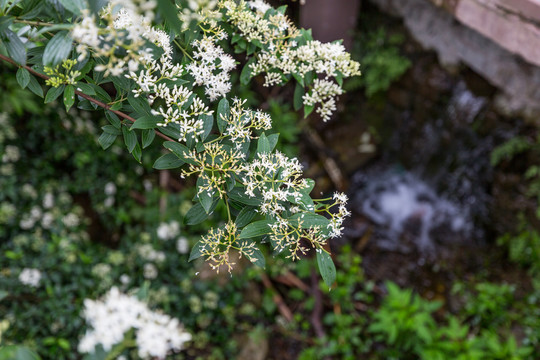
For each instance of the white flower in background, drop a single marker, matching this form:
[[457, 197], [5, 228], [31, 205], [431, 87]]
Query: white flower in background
[[29, 191], [11, 154], [108, 202], [110, 189], [71, 220], [182, 245], [156, 334], [125, 279], [167, 231], [47, 220], [147, 252], [48, 201], [150, 271], [30, 277]]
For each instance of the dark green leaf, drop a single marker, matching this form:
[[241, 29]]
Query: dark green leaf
[[57, 49], [145, 122], [35, 87], [139, 104], [179, 150], [257, 258], [170, 12], [257, 228], [23, 77], [196, 251], [111, 130], [15, 47], [85, 88], [245, 216], [263, 146], [245, 75], [196, 215], [206, 197], [326, 267], [308, 220], [168, 161], [106, 140], [238, 194], [137, 152], [272, 141], [5, 22], [54, 93], [113, 119], [223, 113], [208, 123], [130, 138], [298, 101], [69, 97], [75, 6], [148, 137]]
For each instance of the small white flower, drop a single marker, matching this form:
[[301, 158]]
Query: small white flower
[[30, 277], [182, 245]]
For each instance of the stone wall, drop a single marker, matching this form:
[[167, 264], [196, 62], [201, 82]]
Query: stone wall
[[486, 39]]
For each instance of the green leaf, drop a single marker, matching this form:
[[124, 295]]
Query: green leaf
[[208, 123], [35, 87], [169, 12], [5, 21], [15, 47], [309, 219], [69, 97], [75, 6], [111, 130], [137, 153], [195, 251], [196, 215], [272, 141], [257, 228], [130, 138], [57, 49], [298, 101], [179, 150], [223, 112], [113, 119], [54, 93], [263, 146], [326, 267], [145, 122], [206, 198], [245, 75], [139, 105], [238, 194], [308, 110], [148, 137], [168, 161], [106, 140], [23, 77], [245, 216], [257, 258], [85, 88], [17, 352]]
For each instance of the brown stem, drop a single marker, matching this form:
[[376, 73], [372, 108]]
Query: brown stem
[[316, 314], [83, 95]]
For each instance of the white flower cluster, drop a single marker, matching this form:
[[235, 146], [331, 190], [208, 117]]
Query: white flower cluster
[[30, 277], [211, 67], [325, 93], [127, 27], [199, 11], [241, 122], [275, 179], [167, 231], [336, 221], [156, 334]]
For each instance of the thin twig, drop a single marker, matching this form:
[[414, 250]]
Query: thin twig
[[282, 307], [316, 314], [83, 95]]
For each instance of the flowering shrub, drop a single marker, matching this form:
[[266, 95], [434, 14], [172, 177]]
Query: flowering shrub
[[118, 56]]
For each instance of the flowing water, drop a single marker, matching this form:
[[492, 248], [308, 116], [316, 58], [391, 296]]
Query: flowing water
[[429, 188]]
